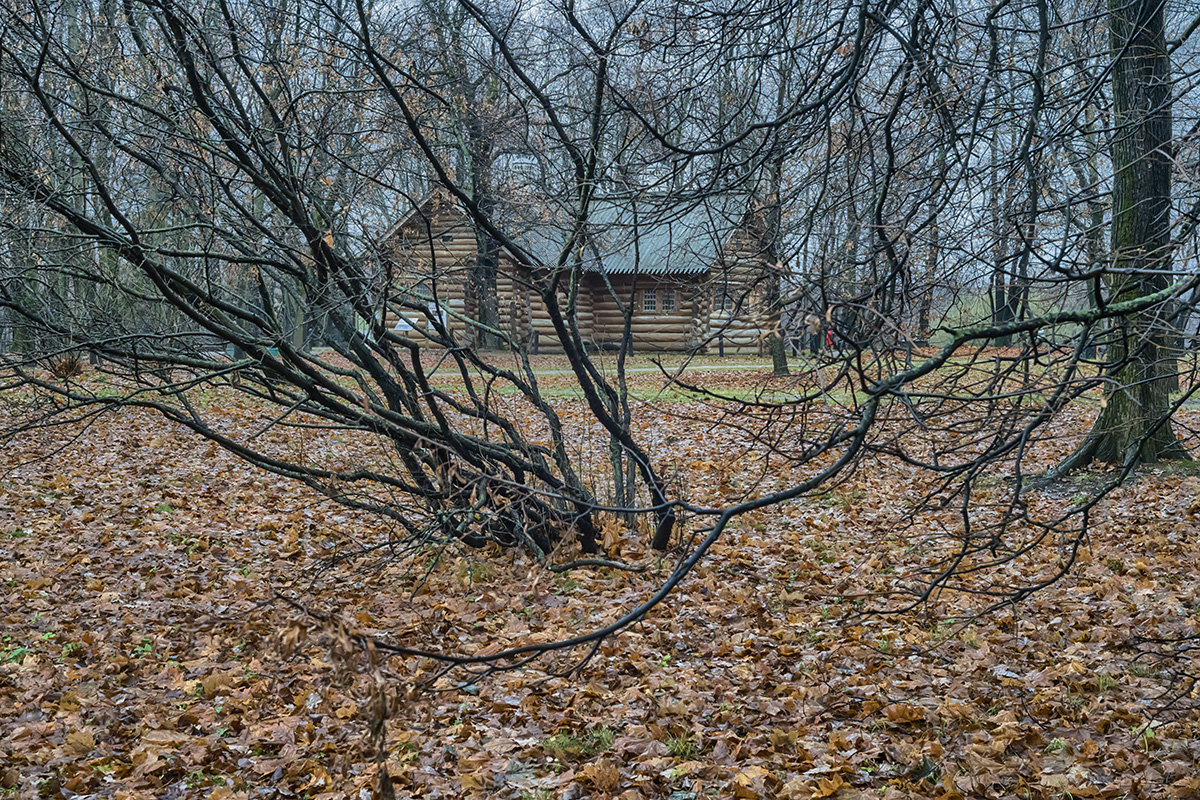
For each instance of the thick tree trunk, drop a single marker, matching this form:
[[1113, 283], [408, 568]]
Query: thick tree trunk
[[483, 292], [1134, 426], [775, 343], [482, 283], [779, 362]]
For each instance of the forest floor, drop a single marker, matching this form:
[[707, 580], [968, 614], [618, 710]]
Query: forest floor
[[146, 650]]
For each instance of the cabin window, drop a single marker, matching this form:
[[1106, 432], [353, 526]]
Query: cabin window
[[447, 237], [649, 300], [724, 301], [668, 300]]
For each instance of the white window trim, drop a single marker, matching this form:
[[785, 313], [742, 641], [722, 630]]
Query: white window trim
[[649, 300]]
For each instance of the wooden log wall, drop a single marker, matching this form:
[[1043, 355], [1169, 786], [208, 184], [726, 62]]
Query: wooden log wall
[[436, 250], [438, 247], [742, 274], [650, 330], [540, 317], [432, 252]]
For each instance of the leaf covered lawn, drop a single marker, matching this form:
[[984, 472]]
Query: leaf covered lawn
[[145, 654]]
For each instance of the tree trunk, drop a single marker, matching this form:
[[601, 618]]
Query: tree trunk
[[483, 291], [482, 280], [1003, 293], [1096, 253], [1134, 425], [779, 362]]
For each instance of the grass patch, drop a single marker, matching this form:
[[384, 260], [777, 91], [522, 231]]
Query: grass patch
[[567, 744], [682, 746]]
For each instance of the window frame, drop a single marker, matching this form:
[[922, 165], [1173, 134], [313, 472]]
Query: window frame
[[649, 299]]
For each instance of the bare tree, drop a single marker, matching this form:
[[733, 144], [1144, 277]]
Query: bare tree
[[913, 155], [1135, 424]]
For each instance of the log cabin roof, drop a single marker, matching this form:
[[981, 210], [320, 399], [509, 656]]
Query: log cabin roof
[[643, 235], [628, 236]]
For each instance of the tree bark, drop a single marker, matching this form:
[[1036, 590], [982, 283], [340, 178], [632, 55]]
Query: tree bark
[[1134, 425], [779, 362], [487, 256]]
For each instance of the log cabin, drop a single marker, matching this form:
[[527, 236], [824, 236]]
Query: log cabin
[[696, 279]]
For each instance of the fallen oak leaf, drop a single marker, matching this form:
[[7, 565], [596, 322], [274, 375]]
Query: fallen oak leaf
[[603, 775], [490, 650], [81, 742], [828, 786], [753, 782], [474, 780], [1185, 789], [902, 713]]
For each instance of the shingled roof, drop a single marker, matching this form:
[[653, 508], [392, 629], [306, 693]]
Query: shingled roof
[[627, 236], [636, 234]]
